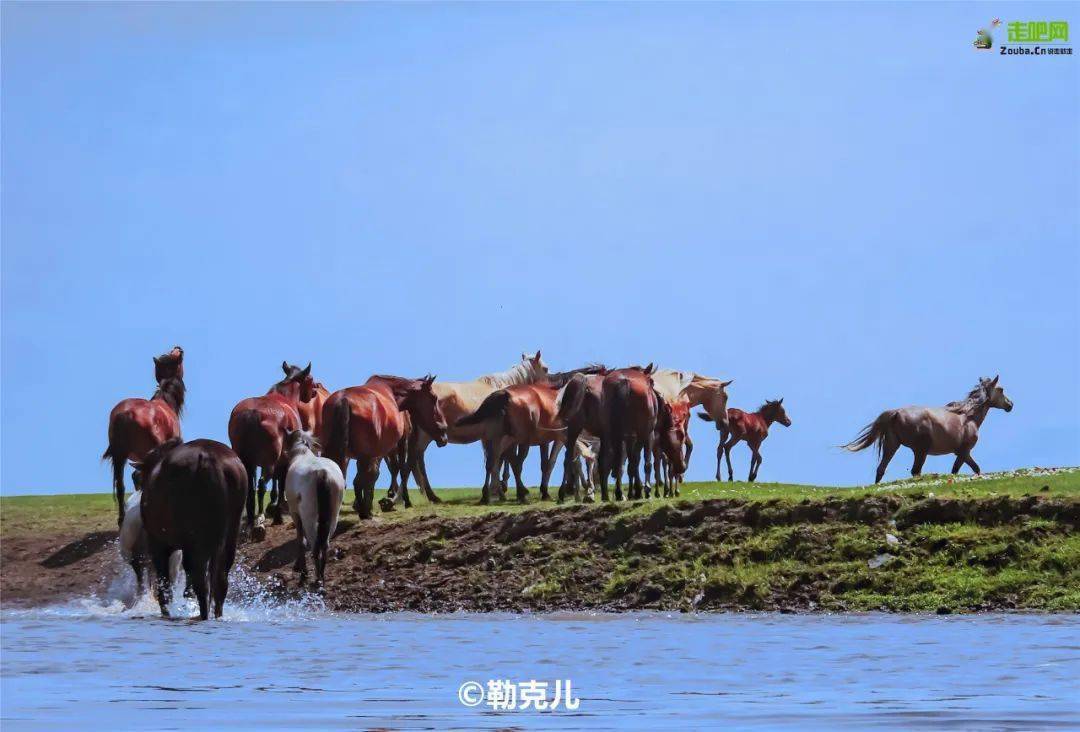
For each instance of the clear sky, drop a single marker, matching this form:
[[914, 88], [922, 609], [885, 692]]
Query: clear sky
[[844, 205]]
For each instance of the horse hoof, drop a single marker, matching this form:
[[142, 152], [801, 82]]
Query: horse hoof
[[258, 533], [386, 504]]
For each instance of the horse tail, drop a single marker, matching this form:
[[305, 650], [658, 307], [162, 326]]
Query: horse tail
[[337, 431], [117, 459], [874, 432], [493, 406], [571, 398], [322, 505]]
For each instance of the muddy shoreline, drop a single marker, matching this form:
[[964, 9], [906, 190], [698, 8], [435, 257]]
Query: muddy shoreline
[[895, 552]]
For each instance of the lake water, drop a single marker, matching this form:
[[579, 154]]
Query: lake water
[[95, 665]]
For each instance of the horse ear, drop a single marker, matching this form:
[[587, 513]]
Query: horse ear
[[157, 361], [537, 356], [995, 381], [726, 384], [428, 381], [307, 370], [781, 400], [285, 367], [650, 369]]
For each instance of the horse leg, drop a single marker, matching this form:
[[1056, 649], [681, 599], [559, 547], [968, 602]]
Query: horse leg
[[920, 458], [972, 464], [720, 450], [727, 456], [755, 459], [957, 463], [549, 468], [517, 462], [489, 485], [650, 452], [159, 558], [300, 565], [278, 501], [402, 460], [262, 488], [620, 460], [195, 566], [368, 476], [602, 468], [888, 448], [358, 491], [420, 468]]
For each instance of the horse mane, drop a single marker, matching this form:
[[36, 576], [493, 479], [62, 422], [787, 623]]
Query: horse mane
[[516, 374], [768, 406], [976, 398], [562, 378], [172, 391], [398, 384]]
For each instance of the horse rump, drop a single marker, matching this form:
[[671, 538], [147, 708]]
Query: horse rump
[[493, 406]]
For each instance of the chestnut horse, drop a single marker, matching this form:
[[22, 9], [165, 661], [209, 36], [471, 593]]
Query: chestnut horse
[[952, 429], [670, 450], [368, 422], [458, 399], [192, 500], [136, 426], [311, 412], [752, 427], [629, 406], [257, 430]]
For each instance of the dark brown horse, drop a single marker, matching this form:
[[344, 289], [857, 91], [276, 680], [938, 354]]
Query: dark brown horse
[[629, 406], [952, 429], [311, 412], [137, 426], [192, 500], [750, 426], [578, 406], [368, 423], [257, 429]]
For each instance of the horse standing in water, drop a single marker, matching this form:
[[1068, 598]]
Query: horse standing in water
[[752, 427], [257, 429], [314, 486], [137, 426], [952, 429], [459, 399], [192, 500], [368, 422]]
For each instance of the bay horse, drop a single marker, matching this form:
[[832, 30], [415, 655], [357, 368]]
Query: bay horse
[[315, 487], [952, 429], [368, 422], [136, 426], [192, 501], [752, 427], [670, 450], [257, 429], [578, 404], [311, 412], [629, 406], [459, 399]]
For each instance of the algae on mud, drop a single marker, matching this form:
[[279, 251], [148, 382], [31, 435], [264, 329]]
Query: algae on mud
[[937, 544]]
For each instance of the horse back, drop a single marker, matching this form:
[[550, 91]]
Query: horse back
[[137, 426]]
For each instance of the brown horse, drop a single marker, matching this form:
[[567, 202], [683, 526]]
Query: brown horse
[[257, 430], [311, 412], [192, 500], [952, 429], [752, 427], [368, 423], [579, 409], [137, 426], [670, 450], [458, 399], [517, 416], [629, 406]]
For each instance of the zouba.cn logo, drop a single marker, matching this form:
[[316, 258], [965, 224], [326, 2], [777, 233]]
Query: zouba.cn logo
[[983, 40]]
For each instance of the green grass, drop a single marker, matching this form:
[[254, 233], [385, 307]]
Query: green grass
[[88, 511]]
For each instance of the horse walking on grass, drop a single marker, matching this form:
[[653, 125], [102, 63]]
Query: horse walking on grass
[[368, 423], [314, 487], [192, 501], [752, 427], [137, 426], [257, 429], [952, 429]]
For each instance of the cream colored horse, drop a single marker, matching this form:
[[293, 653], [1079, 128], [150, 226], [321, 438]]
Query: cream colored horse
[[459, 399], [697, 390]]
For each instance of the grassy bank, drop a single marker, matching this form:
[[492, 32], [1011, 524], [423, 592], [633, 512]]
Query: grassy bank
[[936, 544]]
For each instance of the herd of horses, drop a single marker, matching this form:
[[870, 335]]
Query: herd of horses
[[299, 439]]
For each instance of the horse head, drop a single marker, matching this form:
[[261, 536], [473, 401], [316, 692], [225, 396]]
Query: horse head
[[169, 365], [298, 442], [422, 403], [302, 378], [534, 367], [773, 411], [995, 395]]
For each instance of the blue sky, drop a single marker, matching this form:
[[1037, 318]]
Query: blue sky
[[844, 205]]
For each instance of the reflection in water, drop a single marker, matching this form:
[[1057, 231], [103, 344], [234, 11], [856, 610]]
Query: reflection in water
[[98, 665]]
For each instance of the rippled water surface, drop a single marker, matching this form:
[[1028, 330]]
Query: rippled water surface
[[86, 665]]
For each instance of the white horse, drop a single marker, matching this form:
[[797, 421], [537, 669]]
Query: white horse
[[314, 488], [133, 544]]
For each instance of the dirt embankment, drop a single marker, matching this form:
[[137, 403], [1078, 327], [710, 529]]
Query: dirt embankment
[[882, 551]]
